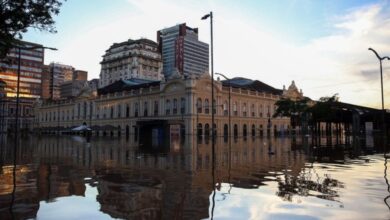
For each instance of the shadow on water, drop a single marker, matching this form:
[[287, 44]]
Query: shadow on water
[[178, 179]]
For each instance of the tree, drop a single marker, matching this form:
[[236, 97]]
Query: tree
[[16, 16], [293, 109], [322, 110]]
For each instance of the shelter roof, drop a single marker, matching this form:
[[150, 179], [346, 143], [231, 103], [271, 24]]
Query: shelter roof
[[244, 83]]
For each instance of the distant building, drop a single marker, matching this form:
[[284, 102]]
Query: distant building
[[30, 71], [31, 65], [182, 50], [131, 59], [61, 81], [292, 92], [46, 79], [59, 73], [80, 75], [72, 88], [93, 84]]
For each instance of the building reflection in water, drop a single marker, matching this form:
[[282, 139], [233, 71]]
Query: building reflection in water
[[178, 182]]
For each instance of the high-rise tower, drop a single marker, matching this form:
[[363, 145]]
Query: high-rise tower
[[181, 50]]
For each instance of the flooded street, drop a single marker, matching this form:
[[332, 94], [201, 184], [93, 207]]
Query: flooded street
[[69, 177]]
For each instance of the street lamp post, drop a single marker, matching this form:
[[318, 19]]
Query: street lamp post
[[383, 105], [18, 80], [229, 98], [212, 72]]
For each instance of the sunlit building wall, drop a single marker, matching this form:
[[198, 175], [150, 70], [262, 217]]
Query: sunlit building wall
[[31, 65]]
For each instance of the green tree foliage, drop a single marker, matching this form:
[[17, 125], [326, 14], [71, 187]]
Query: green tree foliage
[[322, 110], [16, 16], [292, 109], [288, 107]]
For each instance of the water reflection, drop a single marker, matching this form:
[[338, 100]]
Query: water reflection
[[247, 178]]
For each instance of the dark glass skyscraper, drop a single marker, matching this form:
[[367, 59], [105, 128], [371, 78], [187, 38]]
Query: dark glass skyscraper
[[181, 50]]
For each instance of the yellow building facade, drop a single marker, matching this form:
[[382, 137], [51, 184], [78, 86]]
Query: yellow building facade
[[180, 102]]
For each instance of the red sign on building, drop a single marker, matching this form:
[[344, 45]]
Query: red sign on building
[[179, 54]]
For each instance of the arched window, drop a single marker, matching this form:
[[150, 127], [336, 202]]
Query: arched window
[[261, 130], [235, 109], [244, 130], [199, 130], [207, 130], [225, 130], [235, 130], [199, 105], [253, 130], [206, 106], [167, 107]]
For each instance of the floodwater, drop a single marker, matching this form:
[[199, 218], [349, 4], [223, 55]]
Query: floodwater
[[69, 177]]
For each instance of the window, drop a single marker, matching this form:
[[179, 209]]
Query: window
[[174, 106], [235, 109], [145, 109], [167, 107], [127, 110], [85, 110], [112, 112], [78, 110], [206, 106], [253, 110], [136, 109], [199, 105], [244, 110], [268, 111], [119, 110], [261, 111], [225, 108], [156, 108], [182, 105], [213, 106]]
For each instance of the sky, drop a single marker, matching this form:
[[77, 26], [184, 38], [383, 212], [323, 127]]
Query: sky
[[321, 45]]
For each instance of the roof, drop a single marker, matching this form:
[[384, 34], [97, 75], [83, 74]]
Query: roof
[[131, 41], [126, 85], [244, 83]]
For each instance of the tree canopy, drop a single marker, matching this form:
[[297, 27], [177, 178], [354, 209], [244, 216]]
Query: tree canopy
[[288, 107], [16, 16], [322, 110]]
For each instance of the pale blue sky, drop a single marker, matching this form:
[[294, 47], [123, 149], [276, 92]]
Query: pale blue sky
[[322, 45]]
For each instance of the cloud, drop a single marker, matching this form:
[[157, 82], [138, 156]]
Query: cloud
[[336, 63]]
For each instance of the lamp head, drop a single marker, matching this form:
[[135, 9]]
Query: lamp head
[[205, 17]]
